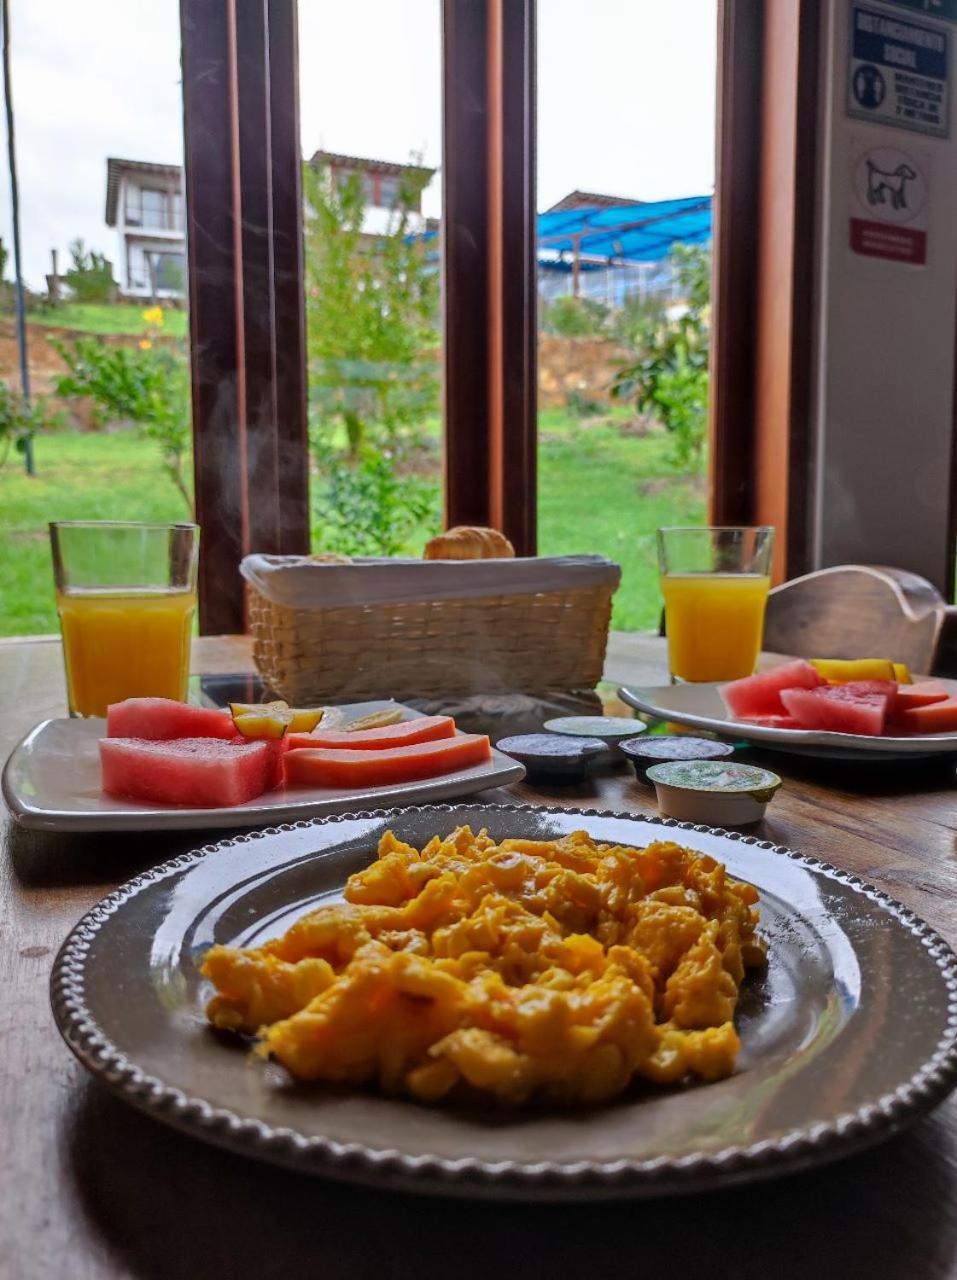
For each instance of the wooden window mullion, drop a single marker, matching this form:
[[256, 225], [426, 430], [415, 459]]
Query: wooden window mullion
[[488, 228], [244, 233], [761, 382], [290, 355]]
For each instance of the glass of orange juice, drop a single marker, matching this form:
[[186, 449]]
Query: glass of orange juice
[[126, 596], [715, 582]]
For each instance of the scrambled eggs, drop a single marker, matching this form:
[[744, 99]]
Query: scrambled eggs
[[526, 970]]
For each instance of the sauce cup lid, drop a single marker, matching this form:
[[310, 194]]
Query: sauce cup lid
[[719, 777], [609, 728], [665, 748]]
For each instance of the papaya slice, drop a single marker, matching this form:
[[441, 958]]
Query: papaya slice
[[349, 769], [404, 734], [922, 694], [936, 717]]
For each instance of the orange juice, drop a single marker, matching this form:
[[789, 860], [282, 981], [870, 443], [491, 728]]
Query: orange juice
[[124, 644], [715, 622]]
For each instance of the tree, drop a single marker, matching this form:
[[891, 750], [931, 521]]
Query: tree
[[90, 277], [670, 379], [372, 313]]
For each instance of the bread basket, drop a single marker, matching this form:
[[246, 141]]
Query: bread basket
[[428, 629]]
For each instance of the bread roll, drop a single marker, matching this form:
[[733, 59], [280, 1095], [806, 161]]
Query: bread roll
[[467, 542]]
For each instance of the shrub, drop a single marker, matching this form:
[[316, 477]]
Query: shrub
[[145, 385], [20, 421], [638, 318], [90, 277], [362, 507], [581, 405], [569, 317]]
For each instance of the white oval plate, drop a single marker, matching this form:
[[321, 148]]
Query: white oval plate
[[52, 782], [700, 707]]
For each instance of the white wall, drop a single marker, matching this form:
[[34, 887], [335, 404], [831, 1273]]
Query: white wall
[[884, 345]]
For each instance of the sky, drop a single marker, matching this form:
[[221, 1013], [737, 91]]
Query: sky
[[625, 99]]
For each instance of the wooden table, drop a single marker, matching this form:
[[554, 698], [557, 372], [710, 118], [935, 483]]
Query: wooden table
[[91, 1188]]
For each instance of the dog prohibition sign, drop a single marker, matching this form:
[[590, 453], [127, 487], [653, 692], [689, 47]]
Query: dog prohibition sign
[[885, 187]]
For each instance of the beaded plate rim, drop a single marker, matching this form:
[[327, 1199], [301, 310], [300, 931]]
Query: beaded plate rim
[[473, 1176]]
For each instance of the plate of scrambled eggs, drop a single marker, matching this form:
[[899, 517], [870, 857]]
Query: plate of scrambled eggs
[[513, 1001]]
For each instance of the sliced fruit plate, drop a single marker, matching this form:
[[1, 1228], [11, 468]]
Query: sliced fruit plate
[[862, 719], [54, 779]]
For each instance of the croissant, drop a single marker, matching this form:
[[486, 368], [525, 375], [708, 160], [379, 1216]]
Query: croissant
[[467, 542]]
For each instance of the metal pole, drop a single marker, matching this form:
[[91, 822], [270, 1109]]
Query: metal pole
[[15, 202]]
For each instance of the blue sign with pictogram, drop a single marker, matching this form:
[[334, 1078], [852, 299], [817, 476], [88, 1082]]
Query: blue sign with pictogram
[[899, 71]]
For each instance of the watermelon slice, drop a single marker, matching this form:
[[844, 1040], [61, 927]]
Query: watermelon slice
[[404, 734], [862, 688], [760, 695], [935, 717], [331, 768], [774, 722], [159, 719], [200, 773], [837, 709]]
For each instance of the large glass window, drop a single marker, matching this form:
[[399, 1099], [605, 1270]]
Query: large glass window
[[106, 329], [133, 201], [371, 146], [155, 213], [625, 181]]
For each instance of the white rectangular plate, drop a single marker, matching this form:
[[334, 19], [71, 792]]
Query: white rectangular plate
[[52, 782], [700, 707]]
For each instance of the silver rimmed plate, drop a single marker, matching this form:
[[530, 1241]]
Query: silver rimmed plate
[[700, 707], [849, 1034], [52, 781]]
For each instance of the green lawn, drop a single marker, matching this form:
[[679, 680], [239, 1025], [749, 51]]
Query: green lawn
[[105, 317], [79, 477], [605, 491], [600, 489]]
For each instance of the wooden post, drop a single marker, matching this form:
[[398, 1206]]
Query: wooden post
[[246, 306], [489, 251], [763, 250]]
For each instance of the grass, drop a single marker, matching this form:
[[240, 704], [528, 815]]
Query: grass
[[106, 318], [80, 476], [600, 490]]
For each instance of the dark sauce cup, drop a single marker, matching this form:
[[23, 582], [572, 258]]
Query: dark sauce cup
[[645, 751]]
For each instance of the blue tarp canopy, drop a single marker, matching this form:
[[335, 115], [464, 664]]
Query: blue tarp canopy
[[622, 233], [600, 235]]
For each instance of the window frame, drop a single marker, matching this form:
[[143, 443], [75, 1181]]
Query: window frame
[[245, 271], [161, 209], [246, 305], [764, 245]]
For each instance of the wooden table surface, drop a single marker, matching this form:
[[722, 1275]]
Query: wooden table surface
[[91, 1188]]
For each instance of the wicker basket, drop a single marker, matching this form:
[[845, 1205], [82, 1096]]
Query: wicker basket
[[517, 643]]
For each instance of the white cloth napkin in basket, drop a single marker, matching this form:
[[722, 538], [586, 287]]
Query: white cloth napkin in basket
[[301, 583]]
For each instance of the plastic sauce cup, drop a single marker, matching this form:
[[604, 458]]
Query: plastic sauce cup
[[718, 793]]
